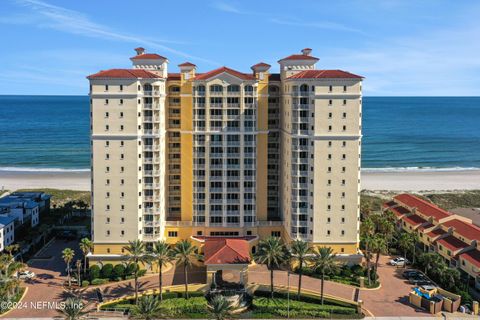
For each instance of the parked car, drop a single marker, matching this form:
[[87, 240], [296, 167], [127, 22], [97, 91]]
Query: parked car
[[25, 274], [399, 262], [407, 274]]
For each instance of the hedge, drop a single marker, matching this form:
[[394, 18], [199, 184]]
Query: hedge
[[119, 271], [99, 281], [94, 272], [85, 283], [107, 271]]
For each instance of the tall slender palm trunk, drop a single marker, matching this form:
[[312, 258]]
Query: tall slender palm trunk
[[271, 282], [299, 284], [160, 284], [136, 281], [376, 264], [186, 280], [321, 289]]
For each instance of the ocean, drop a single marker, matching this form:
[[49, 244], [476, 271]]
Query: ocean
[[51, 133]]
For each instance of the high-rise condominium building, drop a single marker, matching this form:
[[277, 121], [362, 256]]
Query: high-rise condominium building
[[225, 153]]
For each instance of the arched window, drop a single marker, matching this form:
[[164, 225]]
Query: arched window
[[233, 88], [216, 88], [201, 89], [303, 88], [248, 89], [273, 89]]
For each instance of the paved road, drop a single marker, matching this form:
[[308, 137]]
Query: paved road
[[389, 300]]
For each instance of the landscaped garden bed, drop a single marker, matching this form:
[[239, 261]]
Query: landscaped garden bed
[[175, 305]]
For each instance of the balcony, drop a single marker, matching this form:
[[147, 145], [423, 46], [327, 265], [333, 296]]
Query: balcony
[[216, 93], [151, 237], [156, 223], [300, 93], [178, 223]]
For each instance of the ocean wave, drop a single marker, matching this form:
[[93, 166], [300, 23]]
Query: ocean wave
[[30, 169], [419, 169]]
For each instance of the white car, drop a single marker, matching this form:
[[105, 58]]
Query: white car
[[399, 262], [25, 275]]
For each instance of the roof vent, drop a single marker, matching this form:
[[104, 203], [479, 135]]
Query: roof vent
[[306, 51], [140, 50]]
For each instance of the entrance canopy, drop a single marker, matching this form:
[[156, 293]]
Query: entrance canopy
[[223, 251]]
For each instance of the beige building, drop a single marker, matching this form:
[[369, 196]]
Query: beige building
[[224, 153]]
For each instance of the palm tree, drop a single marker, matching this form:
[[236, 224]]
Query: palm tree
[[450, 278], [415, 240], [367, 230], [136, 254], [429, 260], [271, 252], [405, 242], [185, 253], [43, 229], [324, 262], [147, 308], [86, 245], [68, 255], [220, 308], [78, 264], [72, 309], [162, 254], [378, 246], [300, 252]]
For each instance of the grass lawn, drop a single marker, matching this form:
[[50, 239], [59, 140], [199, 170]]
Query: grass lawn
[[61, 197]]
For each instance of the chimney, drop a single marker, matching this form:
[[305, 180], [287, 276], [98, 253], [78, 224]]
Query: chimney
[[306, 51], [140, 50]]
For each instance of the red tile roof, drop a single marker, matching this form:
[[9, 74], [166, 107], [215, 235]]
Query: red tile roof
[[324, 74], [174, 76], [400, 211], [472, 256], [261, 64], [452, 243], [414, 220], [299, 57], [423, 206], [218, 71], [148, 56], [187, 64], [435, 233], [429, 225], [226, 251], [389, 204], [123, 74], [467, 230]]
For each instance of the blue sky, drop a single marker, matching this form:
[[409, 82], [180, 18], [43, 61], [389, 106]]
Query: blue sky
[[403, 48]]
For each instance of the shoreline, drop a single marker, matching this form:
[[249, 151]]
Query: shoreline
[[415, 180]]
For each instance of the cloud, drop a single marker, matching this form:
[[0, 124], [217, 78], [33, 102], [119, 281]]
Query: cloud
[[74, 22], [435, 63], [320, 25], [294, 22]]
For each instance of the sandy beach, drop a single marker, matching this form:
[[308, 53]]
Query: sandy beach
[[14, 180], [393, 181]]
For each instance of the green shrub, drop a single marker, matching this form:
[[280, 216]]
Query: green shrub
[[141, 273], [94, 272], [107, 271], [85, 283], [119, 271], [99, 281]]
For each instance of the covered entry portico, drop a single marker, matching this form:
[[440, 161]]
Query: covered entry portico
[[229, 254]]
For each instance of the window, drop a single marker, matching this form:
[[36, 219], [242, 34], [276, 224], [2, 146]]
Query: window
[[107, 127], [330, 102], [328, 220], [330, 88], [344, 115], [106, 114], [122, 233], [121, 114], [106, 101], [106, 87], [172, 234], [276, 234], [343, 233], [344, 88], [328, 233], [121, 101], [108, 220], [121, 88], [121, 127], [329, 115], [344, 102]]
